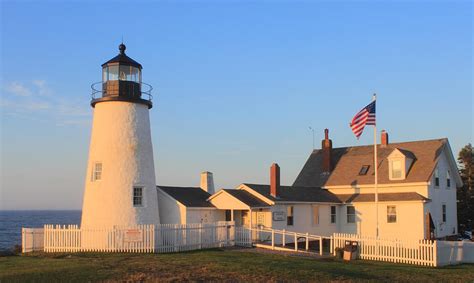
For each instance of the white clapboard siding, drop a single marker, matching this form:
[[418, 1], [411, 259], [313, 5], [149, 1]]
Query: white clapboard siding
[[418, 252]]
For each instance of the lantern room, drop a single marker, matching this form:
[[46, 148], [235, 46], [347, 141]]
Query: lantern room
[[121, 81]]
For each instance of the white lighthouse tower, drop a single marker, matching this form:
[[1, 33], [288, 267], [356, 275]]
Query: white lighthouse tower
[[120, 187]]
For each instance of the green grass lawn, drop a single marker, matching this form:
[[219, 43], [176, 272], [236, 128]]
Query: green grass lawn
[[214, 265]]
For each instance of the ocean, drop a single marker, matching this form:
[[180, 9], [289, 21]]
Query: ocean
[[11, 222]]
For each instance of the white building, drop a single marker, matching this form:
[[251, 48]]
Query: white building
[[181, 205], [120, 186], [417, 184], [334, 192]]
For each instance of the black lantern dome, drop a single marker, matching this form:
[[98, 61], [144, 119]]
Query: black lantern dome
[[121, 81]]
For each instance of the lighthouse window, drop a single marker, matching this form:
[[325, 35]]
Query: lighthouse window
[[113, 73], [105, 71], [97, 172], [125, 73], [137, 196]]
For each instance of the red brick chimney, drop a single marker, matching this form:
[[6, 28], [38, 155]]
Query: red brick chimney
[[326, 146], [384, 138], [274, 180]]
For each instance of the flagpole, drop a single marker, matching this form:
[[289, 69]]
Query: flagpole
[[376, 178]]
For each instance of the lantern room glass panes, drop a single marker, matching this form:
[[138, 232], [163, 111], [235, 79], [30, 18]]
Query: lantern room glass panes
[[113, 72], [121, 72], [105, 71], [129, 73]]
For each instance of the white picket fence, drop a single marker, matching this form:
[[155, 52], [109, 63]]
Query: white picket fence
[[162, 238], [194, 236], [418, 252], [70, 238], [167, 238], [32, 239]]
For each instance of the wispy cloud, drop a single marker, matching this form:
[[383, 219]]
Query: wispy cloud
[[36, 100], [17, 89], [42, 88]]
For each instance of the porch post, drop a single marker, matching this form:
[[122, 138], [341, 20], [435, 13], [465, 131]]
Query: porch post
[[250, 224]]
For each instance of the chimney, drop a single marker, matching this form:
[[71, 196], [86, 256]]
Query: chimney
[[326, 146], [274, 180], [207, 182], [384, 138]]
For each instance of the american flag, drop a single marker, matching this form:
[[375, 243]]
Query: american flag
[[366, 116]]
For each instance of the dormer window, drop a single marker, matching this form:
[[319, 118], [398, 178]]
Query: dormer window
[[436, 176], [448, 179], [399, 163], [364, 170], [396, 169]]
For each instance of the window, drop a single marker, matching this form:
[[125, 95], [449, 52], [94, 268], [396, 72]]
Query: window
[[113, 72], [97, 171], [105, 71], [289, 215], [333, 214], [228, 215], [351, 214], [444, 212], [397, 169], [364, 170], [137, 196], [260, 218], [315, 214], [436, 177], [391, 214], [448, 179]]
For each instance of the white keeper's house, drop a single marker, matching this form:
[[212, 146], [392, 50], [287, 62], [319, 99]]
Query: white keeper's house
[[334, 193]]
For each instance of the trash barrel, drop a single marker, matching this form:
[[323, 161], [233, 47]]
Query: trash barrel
[[350, 250]]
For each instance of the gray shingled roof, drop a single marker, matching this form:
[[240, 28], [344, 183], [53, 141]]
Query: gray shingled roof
[[296, 194], [347, 162], [188, 196], [247, 198], [409, 196]]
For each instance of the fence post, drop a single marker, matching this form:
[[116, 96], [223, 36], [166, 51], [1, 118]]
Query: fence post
[[200, 236], [331, 245], [320, 245], [283, 236], [23, 240], [307, 241], [296, 242], [435, 253], [273, 239]]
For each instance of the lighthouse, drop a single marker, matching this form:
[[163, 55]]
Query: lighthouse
[[120, 185]]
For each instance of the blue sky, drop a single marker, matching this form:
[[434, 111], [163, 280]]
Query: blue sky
[[236, 84]]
